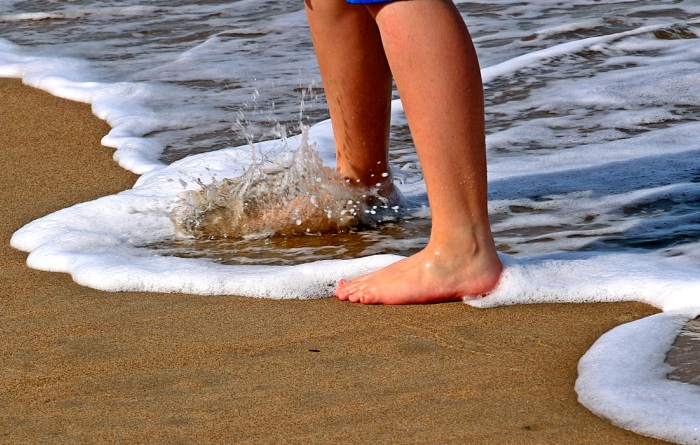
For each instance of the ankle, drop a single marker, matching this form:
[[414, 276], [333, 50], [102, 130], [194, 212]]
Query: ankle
[[472, 240]]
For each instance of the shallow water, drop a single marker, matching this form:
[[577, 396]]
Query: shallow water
[[220, 74], [405, 237]]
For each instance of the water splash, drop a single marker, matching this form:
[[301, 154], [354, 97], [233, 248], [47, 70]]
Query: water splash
[[292, 196]]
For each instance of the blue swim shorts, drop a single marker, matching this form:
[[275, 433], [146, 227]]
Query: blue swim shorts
[[363, 2]]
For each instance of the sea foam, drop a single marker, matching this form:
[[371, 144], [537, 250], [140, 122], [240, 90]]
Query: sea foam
[[623, 378]]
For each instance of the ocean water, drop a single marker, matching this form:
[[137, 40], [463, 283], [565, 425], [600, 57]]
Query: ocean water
[[592, 137]]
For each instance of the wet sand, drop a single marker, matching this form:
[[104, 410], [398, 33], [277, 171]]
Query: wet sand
[[79, 365], [684, 354]]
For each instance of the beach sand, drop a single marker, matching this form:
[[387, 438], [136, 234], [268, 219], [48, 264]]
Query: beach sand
[[684, 354], [79, 365]]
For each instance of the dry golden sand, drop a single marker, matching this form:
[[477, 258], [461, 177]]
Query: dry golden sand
[[84, 366]]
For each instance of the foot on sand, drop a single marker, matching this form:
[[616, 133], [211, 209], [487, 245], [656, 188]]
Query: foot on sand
[[431, 276]]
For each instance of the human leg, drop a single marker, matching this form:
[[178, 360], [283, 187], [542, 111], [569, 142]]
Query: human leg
[[357, 81], [437, 74]]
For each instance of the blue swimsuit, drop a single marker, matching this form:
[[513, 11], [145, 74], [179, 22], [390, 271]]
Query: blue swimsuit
[[367, 1]]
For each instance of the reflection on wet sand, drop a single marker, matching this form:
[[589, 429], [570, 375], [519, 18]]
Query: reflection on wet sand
[[684, 355]]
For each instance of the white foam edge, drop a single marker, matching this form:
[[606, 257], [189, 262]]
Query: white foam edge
[[533, 58], [595, 277], [82, 12], [622, 378], [117, 103]]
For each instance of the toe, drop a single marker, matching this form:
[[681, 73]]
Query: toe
[[366, 299], [355, 297], [341, 291], [356, 291]]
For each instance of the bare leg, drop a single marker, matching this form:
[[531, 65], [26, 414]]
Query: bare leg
[[357, 81], [437, 74]]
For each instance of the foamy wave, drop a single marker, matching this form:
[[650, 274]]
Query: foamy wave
[[595, 277], [623, 378]]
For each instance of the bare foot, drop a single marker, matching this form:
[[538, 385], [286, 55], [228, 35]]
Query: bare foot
[[384, 193], [430, 276]]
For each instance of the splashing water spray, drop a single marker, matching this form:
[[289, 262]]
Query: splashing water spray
[[292, 196]]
